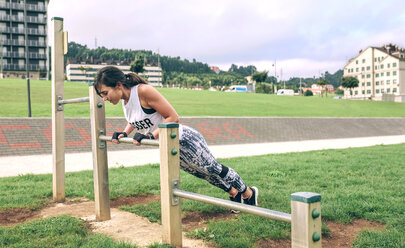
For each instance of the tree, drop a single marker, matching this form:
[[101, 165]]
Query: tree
[[260, 77], [137, 65], [350, 83], [322, 82]]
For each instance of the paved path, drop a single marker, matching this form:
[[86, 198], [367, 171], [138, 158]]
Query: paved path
[[42, 164]]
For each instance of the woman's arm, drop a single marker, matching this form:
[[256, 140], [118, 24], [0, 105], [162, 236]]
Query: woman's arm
[[151, 98]]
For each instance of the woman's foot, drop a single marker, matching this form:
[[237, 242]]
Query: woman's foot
[[252, 199]]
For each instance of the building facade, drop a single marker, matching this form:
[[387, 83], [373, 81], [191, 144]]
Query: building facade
[[381, 74], [85, 72], [23, 38]]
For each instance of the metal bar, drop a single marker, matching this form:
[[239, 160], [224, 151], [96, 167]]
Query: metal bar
[[74, 100], [130, 140], [263, 212]]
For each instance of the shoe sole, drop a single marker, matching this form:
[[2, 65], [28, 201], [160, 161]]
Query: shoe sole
[[256, 194]]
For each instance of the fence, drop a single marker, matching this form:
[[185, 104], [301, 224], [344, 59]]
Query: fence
[[305, 217]]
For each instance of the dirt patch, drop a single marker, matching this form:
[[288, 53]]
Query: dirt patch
[[193, 220], [341, 236], [14, 216], [133, 200]]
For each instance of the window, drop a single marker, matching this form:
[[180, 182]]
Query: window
[[394, 81], [388, 65], [368, 68], [382, 90], [377, 83], [364, 61], [382, 74], [357, 69], [375, 59], [375, 67], [356, 92], [378, 59], [394, 90], [394, 64], [388, 73], [362, 84], [387, 82], [363, 92], [368, 91], [382, 82], [377, 75], [394, 73], [368, 75], [368, 83], [357, 62], [362, 68], [377, 91], [388, 90], [362, 75], [382, 67]]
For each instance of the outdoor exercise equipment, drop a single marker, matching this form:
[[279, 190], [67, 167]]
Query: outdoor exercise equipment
[[305, 217]]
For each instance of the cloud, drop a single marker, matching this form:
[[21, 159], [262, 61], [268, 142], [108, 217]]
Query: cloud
[[225, 32]]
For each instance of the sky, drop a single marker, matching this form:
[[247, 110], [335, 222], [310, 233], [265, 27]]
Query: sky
[[289, 38]]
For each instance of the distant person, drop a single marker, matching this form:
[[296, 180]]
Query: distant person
[[145, 108]]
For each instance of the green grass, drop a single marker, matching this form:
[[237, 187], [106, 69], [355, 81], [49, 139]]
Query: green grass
[[366, 183], [52, 232], [13, 99]]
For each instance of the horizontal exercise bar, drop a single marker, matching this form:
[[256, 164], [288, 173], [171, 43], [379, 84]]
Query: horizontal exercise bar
[[74, 100], [130, 140], [263, 212]]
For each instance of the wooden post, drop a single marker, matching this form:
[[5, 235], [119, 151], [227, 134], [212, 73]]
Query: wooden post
[[100, 162], [58, 122], [169, 178], [306, 220]]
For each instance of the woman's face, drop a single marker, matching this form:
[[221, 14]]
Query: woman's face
[[113, 95]]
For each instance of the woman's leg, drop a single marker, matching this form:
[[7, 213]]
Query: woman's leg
[[196, 159]]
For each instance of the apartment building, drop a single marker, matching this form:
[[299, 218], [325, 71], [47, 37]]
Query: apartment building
[[381, 74], [23, 38], [83, 72]]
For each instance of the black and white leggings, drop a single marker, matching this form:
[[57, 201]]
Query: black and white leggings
[[196, 159]]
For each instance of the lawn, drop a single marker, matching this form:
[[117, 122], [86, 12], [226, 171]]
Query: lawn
[[13, 102], [356, 183]]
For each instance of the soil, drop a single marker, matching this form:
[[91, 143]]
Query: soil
[[125, 226]]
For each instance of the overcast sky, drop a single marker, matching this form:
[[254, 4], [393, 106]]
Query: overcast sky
[[305, 37]]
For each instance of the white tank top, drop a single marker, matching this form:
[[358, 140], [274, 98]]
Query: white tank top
[[143, 120]]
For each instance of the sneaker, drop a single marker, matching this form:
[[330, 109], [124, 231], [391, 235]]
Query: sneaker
[[238, 199], [253, 199]]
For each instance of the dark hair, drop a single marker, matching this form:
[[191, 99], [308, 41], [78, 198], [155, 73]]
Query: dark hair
[[111, 75]]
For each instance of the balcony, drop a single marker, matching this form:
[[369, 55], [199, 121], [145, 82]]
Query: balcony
[[34, 19], [4, 5], [36, 43], [4, 18], [13, 55], [40, 8], [13, 42], [23, 67], [36, 31], [16, 18], [16, 6], [37, 55]]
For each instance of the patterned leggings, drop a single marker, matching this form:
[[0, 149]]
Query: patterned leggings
[[196, 159]]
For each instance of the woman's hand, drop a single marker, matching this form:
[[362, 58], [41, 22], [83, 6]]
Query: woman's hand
[[118, 135]]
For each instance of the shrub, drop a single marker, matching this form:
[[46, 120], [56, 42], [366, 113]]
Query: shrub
[[308, 93]]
